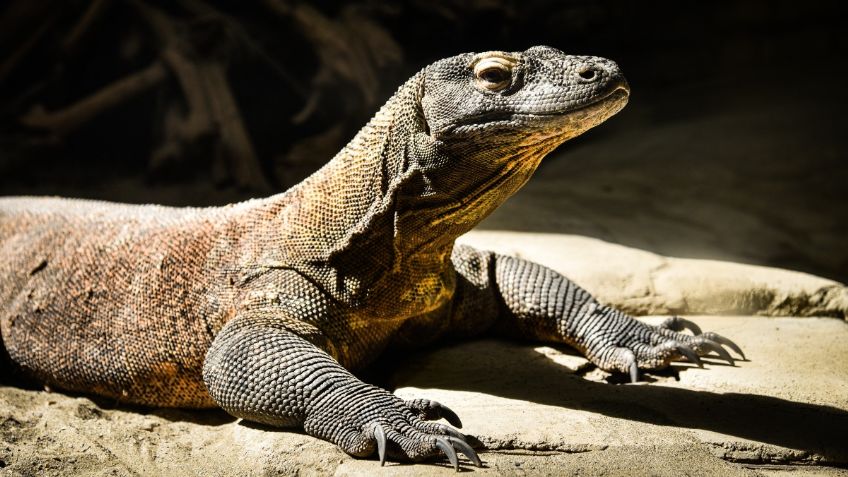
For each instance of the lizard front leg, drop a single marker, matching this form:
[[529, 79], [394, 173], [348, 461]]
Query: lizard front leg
[[261, 370], [538, 303]]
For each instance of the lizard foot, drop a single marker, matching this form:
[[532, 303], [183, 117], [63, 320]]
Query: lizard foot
[[642, 346], [374, 420], [259, 370]]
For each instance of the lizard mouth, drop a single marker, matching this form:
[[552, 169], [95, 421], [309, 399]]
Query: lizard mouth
[[619, 93], [616, 99], [598, 110]]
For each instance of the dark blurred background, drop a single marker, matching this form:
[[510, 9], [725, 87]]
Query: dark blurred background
[[733, 146]]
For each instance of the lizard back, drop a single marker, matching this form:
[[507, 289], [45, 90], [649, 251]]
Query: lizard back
[[104, 297]]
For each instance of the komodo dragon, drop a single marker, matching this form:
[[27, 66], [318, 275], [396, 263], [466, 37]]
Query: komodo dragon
[[262, 307]]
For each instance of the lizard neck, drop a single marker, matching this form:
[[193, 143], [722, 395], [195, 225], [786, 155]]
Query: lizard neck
[[346, 211], [385, 211], [392, 194]]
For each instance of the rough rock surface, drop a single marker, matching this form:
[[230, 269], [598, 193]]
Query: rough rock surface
[[644, 283]]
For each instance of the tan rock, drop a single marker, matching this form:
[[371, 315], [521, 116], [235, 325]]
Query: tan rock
[[644, 283]]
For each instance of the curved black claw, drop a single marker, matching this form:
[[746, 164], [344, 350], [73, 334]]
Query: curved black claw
[[466, 449], [447, 414], [380, 436], [432, 410], [722, 340], [373, 421], [676, 323], [626, 345], [721, 352], [690, 355], [453, 433], [447, 448]]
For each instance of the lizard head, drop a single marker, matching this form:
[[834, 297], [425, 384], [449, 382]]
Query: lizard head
[[452, 144], [487, 120], [523, 97]]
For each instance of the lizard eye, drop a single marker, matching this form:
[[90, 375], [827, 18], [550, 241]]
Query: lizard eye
[[493, 74]]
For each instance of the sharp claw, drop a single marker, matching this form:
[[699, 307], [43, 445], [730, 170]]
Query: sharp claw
[[449, 416], [454, 433], [447, 448], [467, 450], [723, 354], [676, 323], [380, 435], [634, 372], [722, 340], [690, 355], [689, 325]]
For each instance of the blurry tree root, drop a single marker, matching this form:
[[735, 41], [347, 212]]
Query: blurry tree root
[[212, 116], [64, 121]]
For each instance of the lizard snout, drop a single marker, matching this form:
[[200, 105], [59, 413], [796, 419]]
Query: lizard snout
[[601, 70]]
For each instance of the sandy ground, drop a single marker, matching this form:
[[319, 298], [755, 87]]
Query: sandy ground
[[722, 183], [538, 410]]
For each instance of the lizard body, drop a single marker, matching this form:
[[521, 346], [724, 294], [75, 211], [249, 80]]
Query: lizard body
[[262, 307]]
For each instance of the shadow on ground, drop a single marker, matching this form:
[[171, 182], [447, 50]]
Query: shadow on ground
[[816, 429], [529, 377]]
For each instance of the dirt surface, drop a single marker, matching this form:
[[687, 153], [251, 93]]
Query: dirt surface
[[538, 410]]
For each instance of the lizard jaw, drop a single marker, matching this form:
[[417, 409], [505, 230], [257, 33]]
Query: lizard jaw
[[591, 114]]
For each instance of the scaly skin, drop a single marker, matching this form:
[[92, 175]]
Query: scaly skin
[[262, 307]]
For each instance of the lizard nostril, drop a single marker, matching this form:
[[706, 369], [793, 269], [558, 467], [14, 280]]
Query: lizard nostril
[[587, 73]]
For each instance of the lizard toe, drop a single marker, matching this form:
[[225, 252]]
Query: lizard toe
[[717, 338], [447, 435], [396, 432], [712, 346], [647, 347], [432, 410], [676, 323], [364, 420], [419, 442], [704, 343], [663, 354], [620, 359], [690, 354]]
